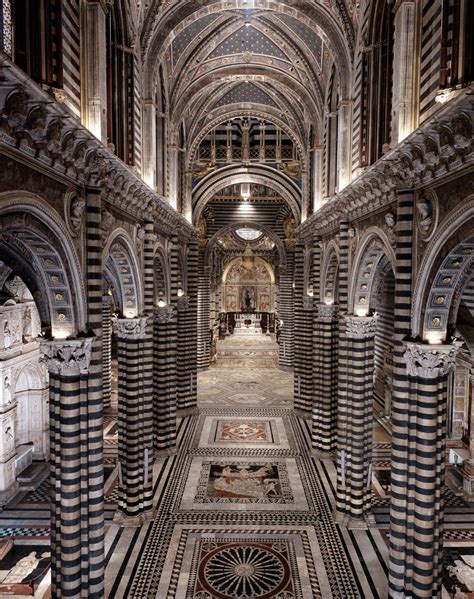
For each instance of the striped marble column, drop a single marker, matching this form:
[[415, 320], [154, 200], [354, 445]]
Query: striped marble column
[[135, 370], [399, 552], [286, 314], [92, 440], [187, 338], [107, 350], [325, 381], [303, 339], [417, 510], [148, 430], [164, 379], [204, 313], [355, 419], [68, 362], [343, 270]]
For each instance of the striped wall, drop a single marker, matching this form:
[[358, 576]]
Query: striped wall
[[430, 56], [136, 159], [303, 327], [107, 350], [384, 307], [187, 337], [204, 313], [286, 314], [71, 54]]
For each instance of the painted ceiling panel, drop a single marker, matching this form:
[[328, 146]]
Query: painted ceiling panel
[[247, 39], [183, 39], [246, 92]]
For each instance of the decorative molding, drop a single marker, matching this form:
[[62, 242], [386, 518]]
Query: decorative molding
[[43, 134], [164, 315], [130, 328], [328, 312], [430, 361], [360, 327], [431, 152], [69, 357]]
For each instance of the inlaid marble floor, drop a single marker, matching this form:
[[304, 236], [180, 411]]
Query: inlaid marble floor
[[243, 508], [240, 498]]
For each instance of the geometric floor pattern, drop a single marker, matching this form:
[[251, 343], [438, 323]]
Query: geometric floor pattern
[[244, 510]]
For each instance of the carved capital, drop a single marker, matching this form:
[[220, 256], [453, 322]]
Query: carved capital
[[360, 327], [327, 313], [308, 304], [164, 315], [183, 303], [430, 361], [130, 328], [67, 357]]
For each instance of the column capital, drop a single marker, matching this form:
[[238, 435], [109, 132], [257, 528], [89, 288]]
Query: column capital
[[360, 327], [130, 328], [164, 315], [430, 361], [67, 357], [308, 303], [183, 303], [328, 312]]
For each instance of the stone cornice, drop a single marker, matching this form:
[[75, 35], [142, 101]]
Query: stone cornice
[[430, 361], [435, 150], [68, 357], [42, 133]]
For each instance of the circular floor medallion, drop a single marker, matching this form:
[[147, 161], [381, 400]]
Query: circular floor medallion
[[245, 571]]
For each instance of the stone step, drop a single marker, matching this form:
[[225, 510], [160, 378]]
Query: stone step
[[33, 476]]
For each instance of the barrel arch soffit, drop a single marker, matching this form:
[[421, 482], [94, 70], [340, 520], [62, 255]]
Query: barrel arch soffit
[[30, 203]]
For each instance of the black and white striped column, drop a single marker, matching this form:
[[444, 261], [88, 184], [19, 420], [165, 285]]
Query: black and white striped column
[[107, 350], [204, 314], [325, 381], [164, 379], [135, 392], [187, 337], [417, 509], [303, 339], [68, 362], [355, 419], [286, 314]]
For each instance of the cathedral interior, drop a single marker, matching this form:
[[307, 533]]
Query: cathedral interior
[[237, 299]]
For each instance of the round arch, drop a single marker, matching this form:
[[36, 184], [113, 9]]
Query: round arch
[[274, 237], [121, 261], [237, 260], [157, 38], [442, 279], [161, 274], [329, 270], [246, 113], [233, 175], [39, 245], [372, 248]]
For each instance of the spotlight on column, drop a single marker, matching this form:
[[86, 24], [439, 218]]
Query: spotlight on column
[[161, 300], [310, 291], [180, 292], [361, 312], [434, 338]]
